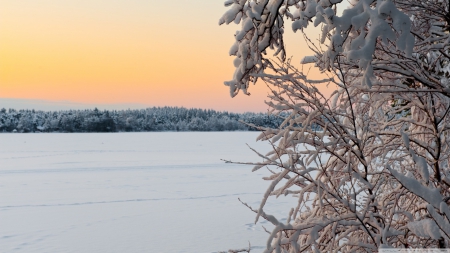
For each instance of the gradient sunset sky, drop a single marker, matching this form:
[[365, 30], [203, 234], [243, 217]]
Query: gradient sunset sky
[[154, 53]]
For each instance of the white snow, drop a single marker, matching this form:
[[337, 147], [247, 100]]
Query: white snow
[[131, 192], [308, 59], [425, 228]]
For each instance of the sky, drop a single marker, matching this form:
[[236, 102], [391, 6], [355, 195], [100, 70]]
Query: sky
[[117, 53]]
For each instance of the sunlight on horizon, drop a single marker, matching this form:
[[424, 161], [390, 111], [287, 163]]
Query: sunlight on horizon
[[155, 53]]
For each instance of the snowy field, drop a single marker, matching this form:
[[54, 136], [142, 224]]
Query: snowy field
[[131, 192]]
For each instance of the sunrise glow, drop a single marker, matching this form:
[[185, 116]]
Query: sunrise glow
[[155, 53]]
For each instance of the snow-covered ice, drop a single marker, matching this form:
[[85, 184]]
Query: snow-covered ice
[[131, 192]]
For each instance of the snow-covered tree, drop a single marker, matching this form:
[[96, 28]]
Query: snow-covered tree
[[368, 166], [150, 119]]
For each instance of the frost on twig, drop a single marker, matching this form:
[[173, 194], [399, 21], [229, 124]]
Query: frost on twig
[[367, 167], [407, 38], [362, 167]]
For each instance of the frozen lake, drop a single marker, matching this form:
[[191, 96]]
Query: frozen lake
[[131, 192]]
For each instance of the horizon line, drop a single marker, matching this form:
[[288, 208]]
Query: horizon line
[[63, 105]]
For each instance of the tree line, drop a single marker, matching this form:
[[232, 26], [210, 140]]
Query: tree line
[[143, 120]]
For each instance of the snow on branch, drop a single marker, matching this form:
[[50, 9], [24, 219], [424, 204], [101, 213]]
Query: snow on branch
[[361, 166], [368, 166]]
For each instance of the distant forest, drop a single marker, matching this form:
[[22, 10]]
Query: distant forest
[[144, 120]]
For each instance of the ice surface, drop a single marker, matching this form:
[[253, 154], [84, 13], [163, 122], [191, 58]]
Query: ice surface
[[131, 192]]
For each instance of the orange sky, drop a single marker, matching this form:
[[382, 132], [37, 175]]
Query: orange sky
[[154, 53]]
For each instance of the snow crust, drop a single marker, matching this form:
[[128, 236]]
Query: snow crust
[[131, 192]]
